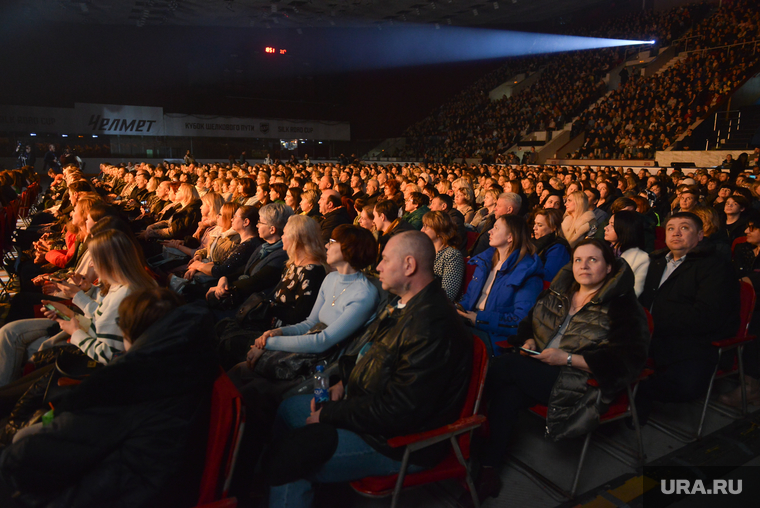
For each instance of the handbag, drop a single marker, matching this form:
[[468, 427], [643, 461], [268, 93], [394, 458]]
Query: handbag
[[286, 366], [255, 310]]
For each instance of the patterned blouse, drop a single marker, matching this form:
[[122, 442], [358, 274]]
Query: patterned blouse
[[296, 293], [449, 267]]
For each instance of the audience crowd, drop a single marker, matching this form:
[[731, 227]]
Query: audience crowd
[[383, 274], [643, 115]]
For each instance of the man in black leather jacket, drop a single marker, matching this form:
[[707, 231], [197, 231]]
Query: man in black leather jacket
[[409, 374]]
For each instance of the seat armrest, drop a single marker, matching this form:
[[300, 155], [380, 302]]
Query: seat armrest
[[435, 435]]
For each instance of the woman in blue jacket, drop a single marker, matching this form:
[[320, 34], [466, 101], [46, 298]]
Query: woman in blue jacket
[[507, 280]]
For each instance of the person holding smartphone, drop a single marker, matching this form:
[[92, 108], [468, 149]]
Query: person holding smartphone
[[589, 323], [507, 280]]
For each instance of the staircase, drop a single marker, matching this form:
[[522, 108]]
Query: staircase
[[741, 131], [671, 63]]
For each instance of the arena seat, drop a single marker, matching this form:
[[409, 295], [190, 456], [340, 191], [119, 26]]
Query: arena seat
[[455, 465]]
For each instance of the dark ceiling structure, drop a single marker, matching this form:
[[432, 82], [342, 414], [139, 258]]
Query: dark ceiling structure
[[300, 14]]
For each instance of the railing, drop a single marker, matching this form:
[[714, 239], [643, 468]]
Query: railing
[[727, 47], [724, 124], [677, 42]]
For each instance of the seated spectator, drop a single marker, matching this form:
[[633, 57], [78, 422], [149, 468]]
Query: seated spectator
[[579, 222], [463, 201], [490, 197], [345, 303], [747, 266], [553, 200], [293, 298], [714, 234], [625, 233], [310, 205], [508, 203], [131, 430], [293, 199], [508, 278], [333, 213], [211, 205], [223, 240], [694, 299], [388, 223], [183, 221], [416, 207], [117, 263], [417, 348], [444, 203], [735, 222], [551, 247], [588, 325], [449, 264], [204, 273], [263, 267]]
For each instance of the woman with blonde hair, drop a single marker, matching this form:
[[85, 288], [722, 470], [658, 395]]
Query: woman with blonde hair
[[579, 221], [463, 200], [294, 296], [309, 201], [712, 227], [449, 264], [182, 222], [208, 230], [117, 263]]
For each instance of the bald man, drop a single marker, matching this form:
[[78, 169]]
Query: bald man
[[334, 213], [408, 373]]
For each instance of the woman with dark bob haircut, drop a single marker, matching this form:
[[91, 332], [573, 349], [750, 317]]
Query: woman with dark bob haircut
[[346, 300]]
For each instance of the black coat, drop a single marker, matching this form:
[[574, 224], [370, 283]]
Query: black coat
[[414, 376], [131, 433], [697, 304], [332, 220], [184, 222]]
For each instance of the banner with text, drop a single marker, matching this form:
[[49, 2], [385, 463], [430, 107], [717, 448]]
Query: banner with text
[[30, 119], [227, 126], [111, 119]]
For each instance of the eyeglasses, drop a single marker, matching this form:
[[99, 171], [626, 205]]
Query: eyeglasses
[[752, 227], [331, 241]]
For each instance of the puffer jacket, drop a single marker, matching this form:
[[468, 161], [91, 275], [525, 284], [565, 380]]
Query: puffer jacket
[[412, 377], [512, 295], [611, 334], [133, 434]]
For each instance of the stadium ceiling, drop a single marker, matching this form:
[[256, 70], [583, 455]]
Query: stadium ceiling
[[297, 14]]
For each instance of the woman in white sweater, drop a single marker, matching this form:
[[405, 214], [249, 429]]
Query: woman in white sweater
[[117, 262], [625, 232], [579, 221]]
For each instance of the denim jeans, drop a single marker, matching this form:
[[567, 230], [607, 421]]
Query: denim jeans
[[354, 459], [17, 339]]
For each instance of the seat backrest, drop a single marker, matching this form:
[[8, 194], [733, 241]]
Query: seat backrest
[[477, 379], [472, 237], [650, 321], [225, 433], [746, 307], [741, 239], [659, 238], [475, 389], [469, 271]]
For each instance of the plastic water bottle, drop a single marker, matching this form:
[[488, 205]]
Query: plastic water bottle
[[321, 384]]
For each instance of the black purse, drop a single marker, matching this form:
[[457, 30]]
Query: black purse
[[285, 366], [255, 310]]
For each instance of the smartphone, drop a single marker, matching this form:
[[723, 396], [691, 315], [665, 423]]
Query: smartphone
[[529, 351], [459, 307], [144, 203], [58, 312]]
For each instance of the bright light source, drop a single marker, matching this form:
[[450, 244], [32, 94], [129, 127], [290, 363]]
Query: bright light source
[[64, 135], [32, 134], [94, 136], [269, 49]]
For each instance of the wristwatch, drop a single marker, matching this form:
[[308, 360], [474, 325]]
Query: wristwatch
[[569, 359]]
